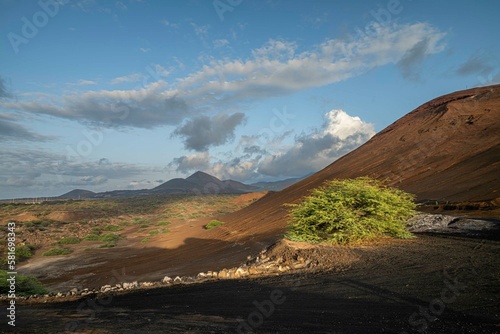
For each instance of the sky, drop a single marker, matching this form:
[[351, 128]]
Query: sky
[[105, 95]]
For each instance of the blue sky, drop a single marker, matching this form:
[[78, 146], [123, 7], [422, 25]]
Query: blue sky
[[127, 94]]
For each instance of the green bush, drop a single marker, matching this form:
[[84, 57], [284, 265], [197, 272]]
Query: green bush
[[344, 211], [112, 228], [213, 224], [23, 252], [110, 237], [25, 285], [58, 251], [91, 237], [69, 241], [153, 232]]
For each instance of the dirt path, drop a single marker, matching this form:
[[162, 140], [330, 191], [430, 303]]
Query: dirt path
[[433, 284]]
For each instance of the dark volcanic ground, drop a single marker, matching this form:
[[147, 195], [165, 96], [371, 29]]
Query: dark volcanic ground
[[431, 284]]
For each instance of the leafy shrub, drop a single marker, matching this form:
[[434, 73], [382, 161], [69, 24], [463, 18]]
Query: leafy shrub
[[25, 285], [112, 228], [110, 237], [69, 241], [58, 251], [153, 232], [91, 237], [213, 224], [344, 211], [163, 223], [23, 252]]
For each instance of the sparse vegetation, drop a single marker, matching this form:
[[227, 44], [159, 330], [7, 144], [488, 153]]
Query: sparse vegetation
[[213, 224], [91, 237], [24, 252], [163, 223], [344, 211], [110, 237], [58, 251], [69, 241], [25, 285], [153, 232], [112, 228]]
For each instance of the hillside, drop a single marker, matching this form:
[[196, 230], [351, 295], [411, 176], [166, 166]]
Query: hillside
[[447, 149]]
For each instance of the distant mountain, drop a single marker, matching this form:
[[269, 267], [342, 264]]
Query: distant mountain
[[197, 184], [279, 185], [203, 183], [78, 194]]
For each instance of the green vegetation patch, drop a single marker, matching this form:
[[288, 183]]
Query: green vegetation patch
[[69, 241], [350, 210], [25, 285], [112, 228], [110, 237], [213, 224], [91, 237]]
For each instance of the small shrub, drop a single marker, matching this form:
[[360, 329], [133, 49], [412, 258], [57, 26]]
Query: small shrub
[[112, 228], [153, 232], [25, 285], [91, 237], [69, 241], [213, 224], [108, 245], [24, 252], [145, 240], [110, 237], [165, 230], [344, 211], [163, 223], [58, 251]]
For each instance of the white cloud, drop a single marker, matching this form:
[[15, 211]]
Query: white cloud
[[340, 134], [135, 77], [169, 24], [220, 43], [144, 50], [275, 69]]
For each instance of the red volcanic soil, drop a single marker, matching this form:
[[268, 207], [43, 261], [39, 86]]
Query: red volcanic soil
[[448, 149]]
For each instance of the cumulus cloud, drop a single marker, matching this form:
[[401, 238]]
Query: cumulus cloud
[[340, 134], [193, 162], [310, 152], [203, 132], [275, 69]]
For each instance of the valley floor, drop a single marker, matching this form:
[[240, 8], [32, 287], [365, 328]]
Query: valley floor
[[430, 284]]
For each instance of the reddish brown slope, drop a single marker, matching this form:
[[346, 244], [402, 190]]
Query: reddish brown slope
[[446, 149]]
